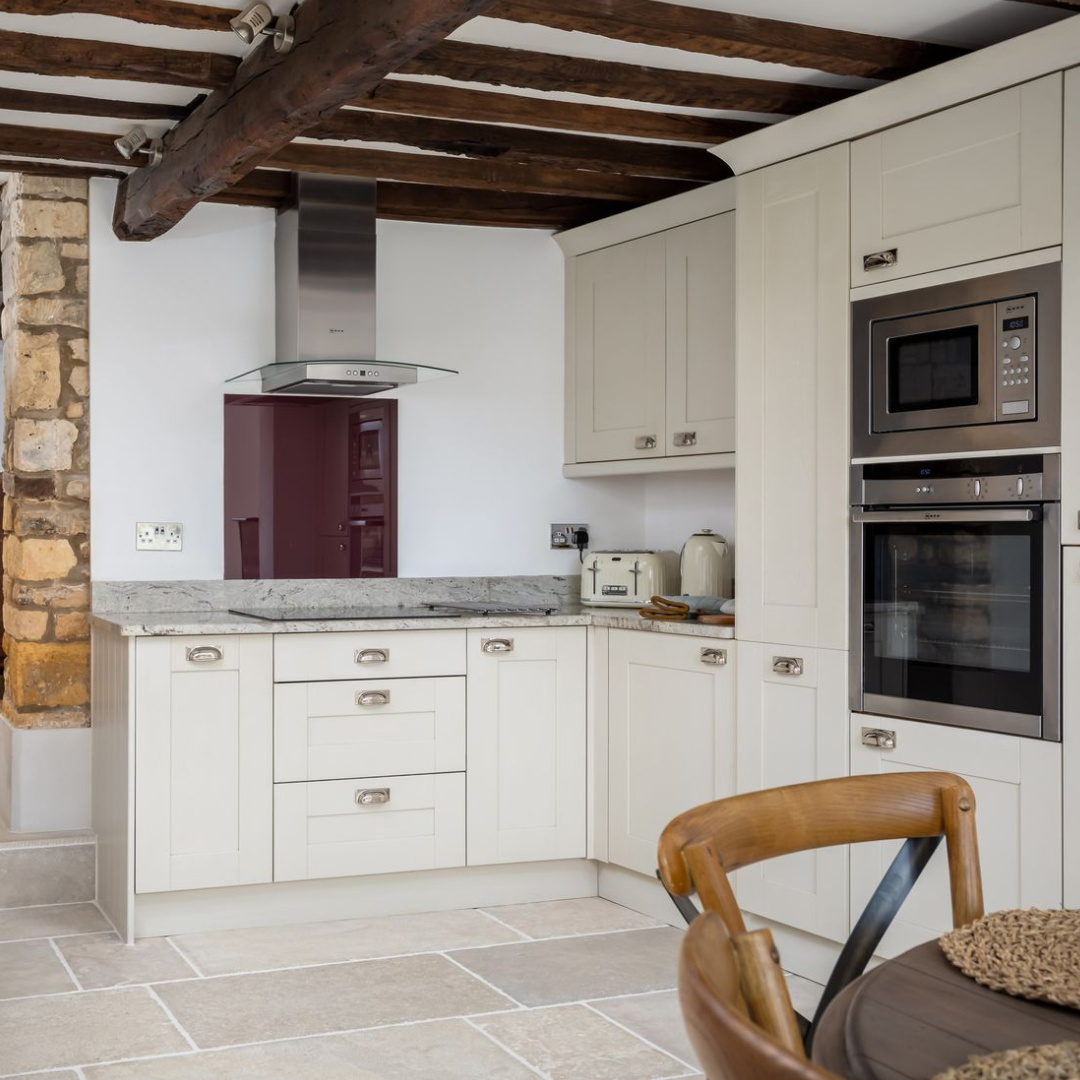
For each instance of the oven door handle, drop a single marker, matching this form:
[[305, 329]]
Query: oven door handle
[[898, 517]]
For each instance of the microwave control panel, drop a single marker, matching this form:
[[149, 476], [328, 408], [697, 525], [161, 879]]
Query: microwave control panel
[[1016, 373]]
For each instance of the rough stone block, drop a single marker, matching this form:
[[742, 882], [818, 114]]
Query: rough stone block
[[82, 280], [54, 187], [31, 371], [78, 717], [38, 560], [47, 674], [52, 311], [65, 596], [79, 380], [46, 521], [73, 626], [43, 445], [80, 350], [29, 487], [75, 251], [25, 625], [31, 268], [75, 411], [33, 219]]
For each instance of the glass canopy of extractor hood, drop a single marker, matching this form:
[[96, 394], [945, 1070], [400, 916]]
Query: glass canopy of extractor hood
[[346, 378]]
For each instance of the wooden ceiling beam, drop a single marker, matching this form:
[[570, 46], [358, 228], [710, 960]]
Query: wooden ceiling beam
[[488, 106], [343, 48], [59, 144], [37, 54], [718, 33], [523, 146], [76, 105], [152, 12], [607, 79], [468, 173], [57, 168]]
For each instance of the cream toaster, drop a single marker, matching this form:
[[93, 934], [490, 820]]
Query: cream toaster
[[628, 578]]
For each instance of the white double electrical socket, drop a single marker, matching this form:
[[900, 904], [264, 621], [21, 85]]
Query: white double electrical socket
[[159, 536], [562, 535]]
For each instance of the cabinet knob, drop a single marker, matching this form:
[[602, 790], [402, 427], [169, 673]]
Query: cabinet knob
[[372, 796], [645, 442], [204, 654], [716, 657], [787, 665], [373, 697], [341, 526], [880, 259], [684, 438], [371, 656], [497, 645], [880, 738]]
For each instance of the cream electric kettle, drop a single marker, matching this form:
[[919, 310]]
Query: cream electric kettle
[[702, 565]]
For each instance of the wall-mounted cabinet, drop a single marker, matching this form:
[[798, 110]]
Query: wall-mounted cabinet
[[651, 351], [974, 182]]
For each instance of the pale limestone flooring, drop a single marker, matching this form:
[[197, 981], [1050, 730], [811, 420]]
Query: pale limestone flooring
[[569, 990]]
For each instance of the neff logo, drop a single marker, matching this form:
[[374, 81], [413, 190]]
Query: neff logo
[[335, 330]]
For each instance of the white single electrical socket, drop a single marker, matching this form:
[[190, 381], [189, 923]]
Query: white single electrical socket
[[562, 536], [159, 536]]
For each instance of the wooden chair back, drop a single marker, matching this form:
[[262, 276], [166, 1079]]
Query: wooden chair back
[[725, 982], [700, 847]]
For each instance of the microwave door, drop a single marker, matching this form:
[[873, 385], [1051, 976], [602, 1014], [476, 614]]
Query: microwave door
[[934, 371]]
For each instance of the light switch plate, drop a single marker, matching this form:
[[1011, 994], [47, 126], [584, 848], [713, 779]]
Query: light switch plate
[[159, 536]]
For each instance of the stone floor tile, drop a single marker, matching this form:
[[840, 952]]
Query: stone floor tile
[[581, 968], [655, 1017], [441, 1050], [557, 918], [574, 1043], [805, 994], [225, 952], [337, 997], [60, 874], [36, 922], [67, 1074], [73, 1029], [103, 960], [31, 967]]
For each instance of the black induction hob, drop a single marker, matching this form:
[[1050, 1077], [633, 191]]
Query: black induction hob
[[424, 611]]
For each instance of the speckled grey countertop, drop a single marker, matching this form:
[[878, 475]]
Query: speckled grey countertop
[[194, 623]]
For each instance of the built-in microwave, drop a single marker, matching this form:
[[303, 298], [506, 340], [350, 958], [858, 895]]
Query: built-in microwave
[[972, 365]]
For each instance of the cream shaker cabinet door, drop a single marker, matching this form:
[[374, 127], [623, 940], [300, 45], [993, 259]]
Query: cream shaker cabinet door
[[973, 182], [793, 402], [619, 351], [793, 724], [671, 731], [701, 337], [526, 744], [203, 762], [1017, 786]]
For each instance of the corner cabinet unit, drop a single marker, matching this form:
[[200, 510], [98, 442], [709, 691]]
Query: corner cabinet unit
[[793, 402], [650, 374], [671, 735], [974, 182]]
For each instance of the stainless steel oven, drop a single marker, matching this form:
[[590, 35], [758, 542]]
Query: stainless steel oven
[[968, 366], [956, 593]]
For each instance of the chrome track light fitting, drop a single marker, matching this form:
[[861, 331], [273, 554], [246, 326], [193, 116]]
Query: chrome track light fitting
[[136, 141], [258, 20]]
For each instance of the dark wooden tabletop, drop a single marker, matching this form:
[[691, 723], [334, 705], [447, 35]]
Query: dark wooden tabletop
[[916, 1015]]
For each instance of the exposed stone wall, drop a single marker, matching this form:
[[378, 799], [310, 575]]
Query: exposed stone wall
[[44, 263]]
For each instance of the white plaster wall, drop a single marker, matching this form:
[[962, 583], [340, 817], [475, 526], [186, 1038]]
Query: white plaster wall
[[480, 453], [679, 504]]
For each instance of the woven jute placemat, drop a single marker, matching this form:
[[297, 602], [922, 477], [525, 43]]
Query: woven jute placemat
[[1031, 954], [1060, 1061]]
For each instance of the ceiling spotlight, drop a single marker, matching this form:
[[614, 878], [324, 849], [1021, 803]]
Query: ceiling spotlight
[[136, 141], [258, 20]]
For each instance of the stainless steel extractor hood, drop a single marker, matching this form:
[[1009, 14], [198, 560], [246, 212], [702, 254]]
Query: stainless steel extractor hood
[[325, 303]]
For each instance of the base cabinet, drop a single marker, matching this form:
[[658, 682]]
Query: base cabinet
[[793, 721], [1017, 785], [203, 762], [526, 744], [671, 735]]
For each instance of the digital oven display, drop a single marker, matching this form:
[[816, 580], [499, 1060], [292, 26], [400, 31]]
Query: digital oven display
[[1020, 323]]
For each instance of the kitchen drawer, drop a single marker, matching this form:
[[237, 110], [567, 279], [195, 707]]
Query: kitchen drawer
[[321, 831], [378, 654], [205, 653], [369, 727]]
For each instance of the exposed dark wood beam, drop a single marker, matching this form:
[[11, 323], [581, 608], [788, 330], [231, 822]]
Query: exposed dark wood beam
[[718, 33], [468, 173], [343, 48], [57, 168], [59, 144], [74, 105], [155, 12], [487, 106], [524, 146], [605, 78], [39, 55]]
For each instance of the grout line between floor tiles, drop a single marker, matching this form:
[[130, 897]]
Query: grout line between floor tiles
[[480, 978], [67, 967], [46, 937], [513, 929], [169, 1013], [79, 1073], [637, 1035], [506, 1049], [187, 959]]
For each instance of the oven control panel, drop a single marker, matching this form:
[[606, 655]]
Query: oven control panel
[[1025, 478], [1015, 351]]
